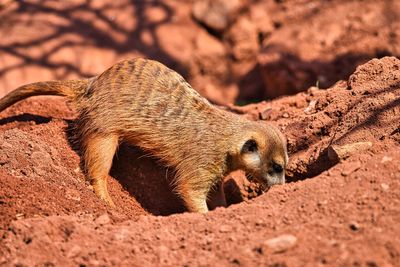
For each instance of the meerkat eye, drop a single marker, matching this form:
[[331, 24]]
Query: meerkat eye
[[250, 146], [277, 167]]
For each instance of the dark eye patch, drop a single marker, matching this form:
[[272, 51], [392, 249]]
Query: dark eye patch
[[277, 167], [250, 146]]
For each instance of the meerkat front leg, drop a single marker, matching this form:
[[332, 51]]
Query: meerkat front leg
[[194, 189], [217, 196], [195, 200], [98, 156]]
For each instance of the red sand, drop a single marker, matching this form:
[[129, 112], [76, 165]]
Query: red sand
[[330, 213]]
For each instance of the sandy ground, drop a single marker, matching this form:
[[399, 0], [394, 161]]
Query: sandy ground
[[341, 205], [345, 213]]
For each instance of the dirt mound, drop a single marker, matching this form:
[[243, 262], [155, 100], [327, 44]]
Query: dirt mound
[[346, 214]]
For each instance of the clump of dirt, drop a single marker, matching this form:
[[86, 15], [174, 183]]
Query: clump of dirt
[[345, 215]]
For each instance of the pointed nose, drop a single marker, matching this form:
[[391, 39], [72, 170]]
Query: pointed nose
[[275, 179]]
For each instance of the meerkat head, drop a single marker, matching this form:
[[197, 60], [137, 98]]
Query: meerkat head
[[263, 155]]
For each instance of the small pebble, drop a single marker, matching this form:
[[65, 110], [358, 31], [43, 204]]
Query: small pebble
[[386, 159], [280, 243], [350, 168], [225, 229], [354, 226], [103, 219], [385, 187]]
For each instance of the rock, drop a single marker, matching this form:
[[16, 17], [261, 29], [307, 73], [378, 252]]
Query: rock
[[336, 152], [103, 219], [350, 168], [39, 170], [41, 158], [4, 159], [386, 159], [121, 234], [265, 114], [354, 226], [311, 107], [280, 243], [385, 187], [74, 251], [215, 14], [225, 229], [72, 194], [19, 216]]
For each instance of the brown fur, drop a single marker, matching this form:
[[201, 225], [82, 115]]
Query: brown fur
[[147, 104]]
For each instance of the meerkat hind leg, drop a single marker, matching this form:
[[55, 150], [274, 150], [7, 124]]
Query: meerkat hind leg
[[99, 153]]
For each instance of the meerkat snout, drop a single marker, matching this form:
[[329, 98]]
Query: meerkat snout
[[263, 155]]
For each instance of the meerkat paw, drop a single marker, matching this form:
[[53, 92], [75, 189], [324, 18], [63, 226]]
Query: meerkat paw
[[217, 197], [100, 189], [195, 202]]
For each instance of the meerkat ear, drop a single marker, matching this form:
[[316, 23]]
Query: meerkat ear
[[250, 146]]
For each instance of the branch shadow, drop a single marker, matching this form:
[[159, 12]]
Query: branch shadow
[[26, 117], [289, 74], [322, 162], [90, 34], [285, 73]]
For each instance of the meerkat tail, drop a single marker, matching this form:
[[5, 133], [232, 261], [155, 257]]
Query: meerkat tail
[[61, 88]]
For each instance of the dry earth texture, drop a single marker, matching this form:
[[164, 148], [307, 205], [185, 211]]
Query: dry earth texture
[[341, 205]]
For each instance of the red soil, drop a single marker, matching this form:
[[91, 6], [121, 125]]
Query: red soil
[[346, 214], [331, 212]]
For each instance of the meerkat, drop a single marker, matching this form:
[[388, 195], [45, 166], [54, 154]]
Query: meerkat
[[144, 103]]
